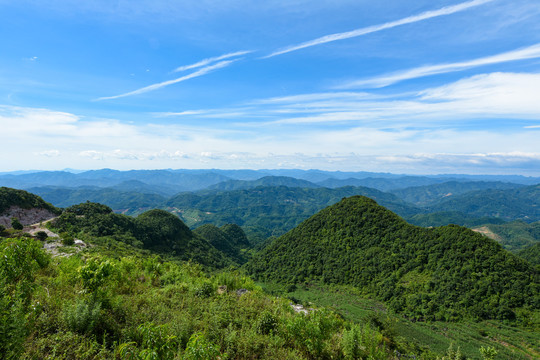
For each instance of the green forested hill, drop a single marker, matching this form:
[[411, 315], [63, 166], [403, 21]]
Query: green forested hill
[[441, 273], [514, 204], [12, 197], [230, 239], [531, 254], [514, 236], [425, 195], [451, 217], [157, 230], [267, 211]]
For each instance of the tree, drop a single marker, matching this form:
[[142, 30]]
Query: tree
[[16, 224]]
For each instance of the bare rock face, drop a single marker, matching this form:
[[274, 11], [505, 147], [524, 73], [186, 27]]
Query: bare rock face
[[25, 216]]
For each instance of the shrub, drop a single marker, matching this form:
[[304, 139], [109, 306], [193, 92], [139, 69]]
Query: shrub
[[204, 290], [266, 323], [82, 317], [67, 239], [16, 224], [42, 235], [200, 348]]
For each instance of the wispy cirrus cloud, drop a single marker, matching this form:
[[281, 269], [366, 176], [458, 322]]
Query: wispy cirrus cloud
[[530, 52], [448, 10], [210, 60], [200, 72]]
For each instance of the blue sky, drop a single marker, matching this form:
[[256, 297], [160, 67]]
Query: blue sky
[[412, 87]]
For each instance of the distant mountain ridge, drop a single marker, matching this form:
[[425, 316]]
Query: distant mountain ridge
[[264, 181]]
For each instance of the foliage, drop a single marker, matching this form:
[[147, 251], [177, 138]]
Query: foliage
[[269, 210], [444, 273], [531, 254], [16, 224], [41, 235], [516, 235], [157, 230], [433, 193], [488, 353], [155, 343], [513, 204], [199, 348], [82, 316], [12, 197], [20, 260]]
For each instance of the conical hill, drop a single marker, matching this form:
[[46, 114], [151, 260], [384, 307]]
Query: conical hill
[[441, 273]]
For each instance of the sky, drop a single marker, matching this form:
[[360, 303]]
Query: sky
[[410, 87]]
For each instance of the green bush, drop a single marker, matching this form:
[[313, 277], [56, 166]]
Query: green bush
[[266, 323], [204, 290], [82, 317], [67, 239], [42, 235], [16, 224], [200, 348]]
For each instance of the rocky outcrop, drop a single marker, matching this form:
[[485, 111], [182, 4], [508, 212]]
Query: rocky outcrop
[[25, 216]]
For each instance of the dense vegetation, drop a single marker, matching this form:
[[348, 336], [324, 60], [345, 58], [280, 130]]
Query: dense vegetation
[[517, 204], [269, 211], [450, 217], [131, 305], [12, 197], [443, 273], [156, 230], [516, 235], [230, 239], [531, 254], [426, 195]]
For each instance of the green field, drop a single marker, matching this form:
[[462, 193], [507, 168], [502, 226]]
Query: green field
[[511, 342]]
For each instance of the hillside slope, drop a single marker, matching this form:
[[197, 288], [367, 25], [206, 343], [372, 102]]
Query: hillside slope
[[26, 207], [441, 273], [514, 204]]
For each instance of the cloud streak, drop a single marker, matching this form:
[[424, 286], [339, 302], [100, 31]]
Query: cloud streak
[[200, 72], [530, 52], [207, 61], [448, 10]]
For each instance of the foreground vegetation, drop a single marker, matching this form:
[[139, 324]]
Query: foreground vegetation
[[95, 306]]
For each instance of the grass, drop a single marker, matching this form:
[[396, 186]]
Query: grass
[[511, 342]]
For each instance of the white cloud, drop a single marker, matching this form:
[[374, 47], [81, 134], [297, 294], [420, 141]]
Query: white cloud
[[201, 72], [48, 153], [207, 61], [495, 95], [530, 52], [371, 29]]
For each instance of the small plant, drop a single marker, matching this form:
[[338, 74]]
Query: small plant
[[488, 353], [200, 348], [82, 316], [155, 344]]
